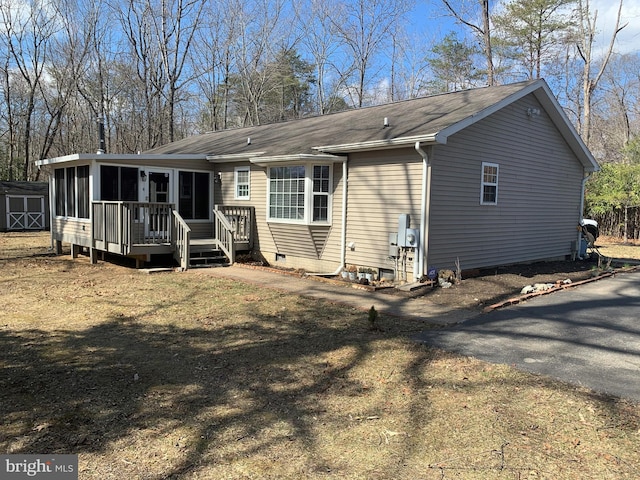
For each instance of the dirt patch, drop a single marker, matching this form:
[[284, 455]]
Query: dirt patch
[[185, 376]]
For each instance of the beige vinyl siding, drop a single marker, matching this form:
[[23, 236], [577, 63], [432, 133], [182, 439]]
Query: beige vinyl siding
[[382, 186], [538, 192], [312, 247], [72, 230]]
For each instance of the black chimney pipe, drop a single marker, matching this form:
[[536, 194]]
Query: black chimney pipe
[[101, 140]]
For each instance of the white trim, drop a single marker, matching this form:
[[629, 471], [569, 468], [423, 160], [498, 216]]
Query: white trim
[[233, 157], [297, 159], [484, 183], [382, 144], [116, 157], [244, 168]]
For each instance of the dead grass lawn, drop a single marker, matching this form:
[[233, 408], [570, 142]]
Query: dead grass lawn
[[192, 377]]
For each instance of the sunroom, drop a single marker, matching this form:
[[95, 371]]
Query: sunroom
[[141, 205]]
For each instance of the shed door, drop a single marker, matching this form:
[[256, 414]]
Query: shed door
[[25, 212]]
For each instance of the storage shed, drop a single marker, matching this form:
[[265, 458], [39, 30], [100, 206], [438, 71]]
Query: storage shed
[[24, 206]]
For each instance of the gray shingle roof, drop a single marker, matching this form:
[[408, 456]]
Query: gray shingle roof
[[417, 117]]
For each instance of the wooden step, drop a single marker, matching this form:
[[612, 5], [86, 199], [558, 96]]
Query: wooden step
[[207, 258]]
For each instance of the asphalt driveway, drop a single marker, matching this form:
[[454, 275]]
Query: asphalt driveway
[[588, 335]]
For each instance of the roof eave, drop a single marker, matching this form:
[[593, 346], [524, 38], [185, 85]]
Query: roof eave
[[381, 144], [304, 157], [106, 157], [234, 157]]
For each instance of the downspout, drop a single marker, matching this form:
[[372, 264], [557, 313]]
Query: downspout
[[343, 232], [581, 211], [52, 206], [425, 210], [343, 238]]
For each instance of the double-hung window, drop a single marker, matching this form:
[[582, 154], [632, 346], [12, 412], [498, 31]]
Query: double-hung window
[[242, 182], [300, 194], [320, 193], [489, 184]]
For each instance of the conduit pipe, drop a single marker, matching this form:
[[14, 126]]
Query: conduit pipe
[[425, 210]]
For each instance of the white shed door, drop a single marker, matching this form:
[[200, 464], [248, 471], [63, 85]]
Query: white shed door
[[25, 212]]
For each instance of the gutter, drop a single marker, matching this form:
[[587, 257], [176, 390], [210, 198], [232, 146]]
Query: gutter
[[425, 211]]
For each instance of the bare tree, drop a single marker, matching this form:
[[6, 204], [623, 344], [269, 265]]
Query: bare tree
[[27, 35], [585, 45], [464, 13], [175, 28], [318, 36], [363, 27], [614, 122]]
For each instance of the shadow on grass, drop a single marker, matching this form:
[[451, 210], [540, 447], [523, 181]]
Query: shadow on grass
[[225, 384], [270, 385]]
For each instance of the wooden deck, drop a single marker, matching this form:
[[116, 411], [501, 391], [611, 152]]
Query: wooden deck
[[140, 228]]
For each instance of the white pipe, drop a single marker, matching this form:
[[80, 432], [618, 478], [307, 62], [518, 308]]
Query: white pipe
[[343, 243], [425, 210], [343, 234], [581, 210]]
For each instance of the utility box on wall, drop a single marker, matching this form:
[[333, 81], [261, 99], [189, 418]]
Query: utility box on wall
[[407, 237]]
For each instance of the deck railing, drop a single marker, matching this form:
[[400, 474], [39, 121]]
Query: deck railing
[[241, 221], [181, 240], [224, 233], [119, 226], [136, 227]]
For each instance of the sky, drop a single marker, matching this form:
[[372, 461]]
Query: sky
[[628, 39]]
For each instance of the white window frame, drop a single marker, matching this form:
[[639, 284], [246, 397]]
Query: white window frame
[[237, 183], [487, 183], [308, 195]]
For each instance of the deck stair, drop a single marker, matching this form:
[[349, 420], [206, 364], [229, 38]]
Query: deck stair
[[204, 253]]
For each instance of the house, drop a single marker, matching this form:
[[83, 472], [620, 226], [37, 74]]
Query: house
[[24, 206], [483, 177]]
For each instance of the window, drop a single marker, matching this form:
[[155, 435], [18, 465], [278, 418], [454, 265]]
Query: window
[[320, 193], [242, 181], [72, 191], [118, 183], [193, 203], [299, 193], [489, 190]]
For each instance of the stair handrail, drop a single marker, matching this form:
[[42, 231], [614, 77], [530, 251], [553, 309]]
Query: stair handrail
[[224, 235], [181, 240]]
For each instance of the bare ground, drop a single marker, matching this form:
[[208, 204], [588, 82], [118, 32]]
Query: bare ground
[[187, 376]]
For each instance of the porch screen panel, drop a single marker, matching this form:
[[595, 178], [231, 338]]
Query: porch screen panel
[[185, 203], [109, 183], [83, 191], [129, 184], [118, 183], [60, 195], [194, 195], [71, 191], [201, 198]]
